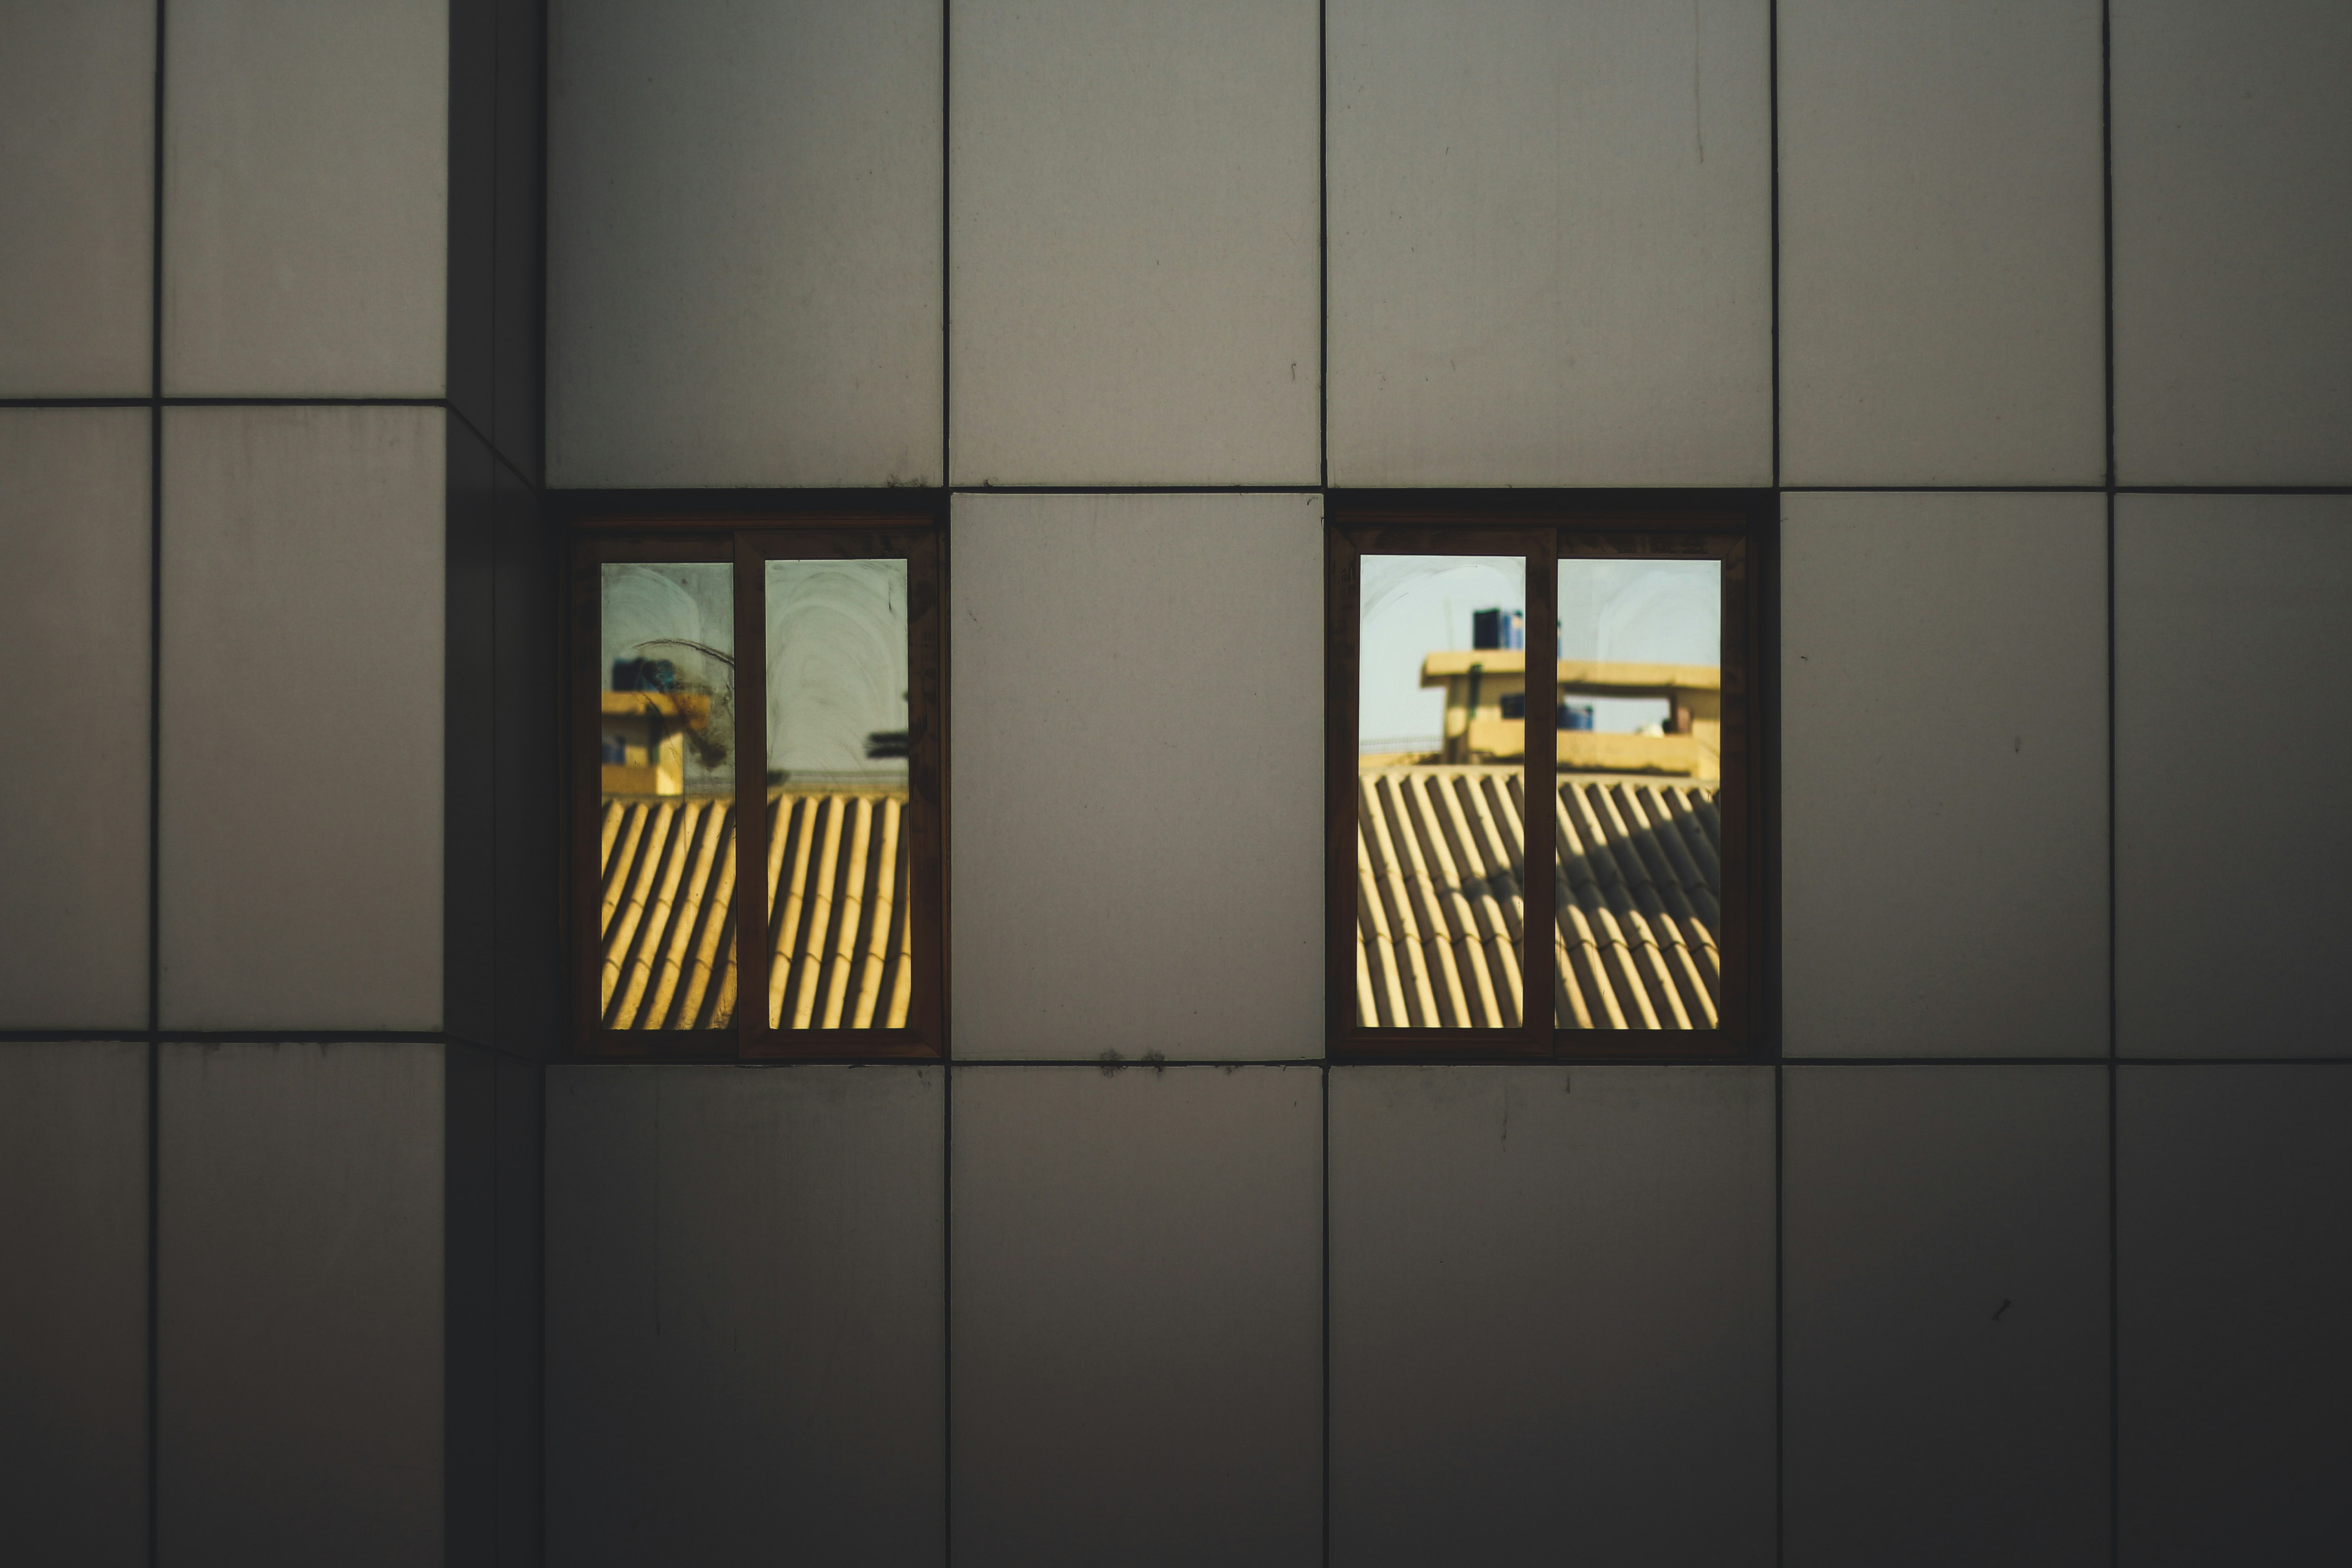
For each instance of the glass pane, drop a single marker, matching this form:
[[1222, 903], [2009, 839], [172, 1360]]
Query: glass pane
[[666, 747], [839, 854], [1639, 713], [1440, 725]]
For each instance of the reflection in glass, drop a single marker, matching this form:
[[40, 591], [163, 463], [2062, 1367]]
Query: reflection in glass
[[1639, 712], [840, 845], [1439, 893], [666, 750]]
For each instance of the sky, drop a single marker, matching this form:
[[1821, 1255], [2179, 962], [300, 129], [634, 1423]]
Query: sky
[[1666, 612]]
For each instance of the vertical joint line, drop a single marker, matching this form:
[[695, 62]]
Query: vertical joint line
[[2115, 1324], [2115, 1040], [947, 1311], [1772, 119], [2107, 228], [2108, 298], [1780, 1321], [154, 790], [1325, 1079], [1323, 250], [946, 245]]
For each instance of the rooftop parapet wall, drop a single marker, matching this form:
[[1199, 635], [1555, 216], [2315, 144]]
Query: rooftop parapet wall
[[1485, 708]]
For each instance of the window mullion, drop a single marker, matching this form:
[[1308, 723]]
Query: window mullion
[[751, 823], [1541, 788]]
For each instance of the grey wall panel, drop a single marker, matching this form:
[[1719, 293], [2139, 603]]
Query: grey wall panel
[[1551, 1314], [1943, 678], [306, 198], [2232, 230], [521, 1312], [1137, 792], [73, 617], [2233, 1220], [744, 244], [1942, 243], [298, 1414], [2233, 890], [73, 1304], [745, 1355], [1135, 283], [77, 198], [1550, 243], [1137, 1316], [1945, 1326], [302, 744]]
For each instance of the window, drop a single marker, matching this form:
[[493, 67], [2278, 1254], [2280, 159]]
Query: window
[[1467, 790], [758, 746]]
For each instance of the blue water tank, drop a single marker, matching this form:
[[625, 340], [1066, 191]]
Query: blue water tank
[[1498, 629]]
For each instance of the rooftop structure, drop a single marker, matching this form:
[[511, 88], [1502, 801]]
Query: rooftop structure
[[1486, 705], [643, 740]]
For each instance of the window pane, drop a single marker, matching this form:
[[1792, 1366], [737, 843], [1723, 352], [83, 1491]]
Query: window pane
[[666, 746], [1439, 786], [840, 849], [1639, 713]]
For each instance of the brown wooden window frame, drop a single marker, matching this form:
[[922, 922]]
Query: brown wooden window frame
[[748, 541], [1736, 527]]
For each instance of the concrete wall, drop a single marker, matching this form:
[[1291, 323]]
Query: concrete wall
[[2028, 1248], [746, 1276], [272, 989], [2021, 841]]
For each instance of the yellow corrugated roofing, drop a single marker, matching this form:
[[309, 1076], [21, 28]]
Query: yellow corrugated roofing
[[1440, 905], [1440, 900], [836, 877]]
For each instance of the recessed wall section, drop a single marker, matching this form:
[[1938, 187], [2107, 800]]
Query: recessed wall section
[[1942, 317], [527, 759], [1944, 774], [744, 244], [77, 198], [1550, 243], [1137, 796], [306, 193], [75, 608], [2233, 220], [2234, 877], [1133, 228], [302, 727]]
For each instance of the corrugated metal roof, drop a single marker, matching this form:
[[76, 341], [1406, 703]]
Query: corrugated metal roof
[[1440, 906], [1440, 900], [838, 861]]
